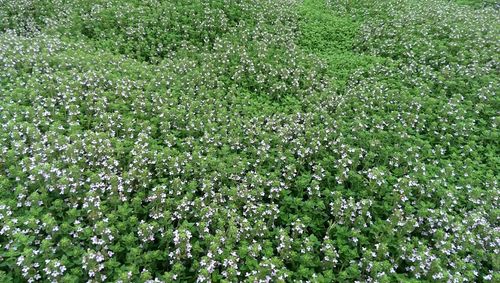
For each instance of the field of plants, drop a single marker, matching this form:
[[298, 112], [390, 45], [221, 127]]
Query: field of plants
[[249, 141]]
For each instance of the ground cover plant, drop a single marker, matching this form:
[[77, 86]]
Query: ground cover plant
[[249, 141]]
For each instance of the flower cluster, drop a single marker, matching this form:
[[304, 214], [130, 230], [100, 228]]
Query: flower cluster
[[256, 141]]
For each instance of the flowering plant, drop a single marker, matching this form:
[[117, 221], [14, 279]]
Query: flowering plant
[[256, 141]]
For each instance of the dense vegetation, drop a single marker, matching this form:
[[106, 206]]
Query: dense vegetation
[[249, 140]]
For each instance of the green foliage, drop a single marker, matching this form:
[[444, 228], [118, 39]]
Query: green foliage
[[479, 3], [331, 35], [255, 141]]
